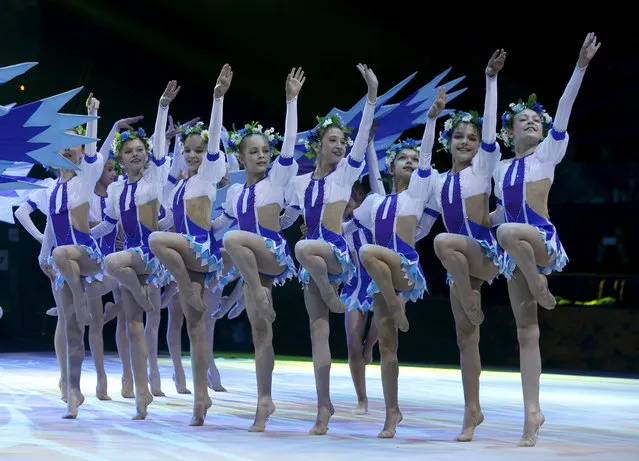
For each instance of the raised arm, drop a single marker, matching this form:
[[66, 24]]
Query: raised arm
[[489, 126], [374, 175], [92, 126], [426, 150], [124, 123], [285, 167], [587, 52], [361, 140], [222, 85], [294, 82], [159, 149], [213, 166]]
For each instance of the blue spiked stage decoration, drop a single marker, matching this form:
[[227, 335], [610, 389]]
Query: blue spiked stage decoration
[[35, 132]]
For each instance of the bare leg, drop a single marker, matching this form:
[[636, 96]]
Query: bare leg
[[139, 352], [124, 351], [385, 268], [213, 380], [60, 345], [318, 318], [151, 333], [75, 354], [200, 356], [463, 258], [175, 253], [388, 344], [96, 344], [250, 256], [355, 324], [125, 266], [369, 342], [524, 245], [524, 307], [318, 259], [73, 262], [262, 332], [470, 361], [174, 341]]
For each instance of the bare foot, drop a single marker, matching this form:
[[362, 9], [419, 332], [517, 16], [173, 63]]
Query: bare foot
[[167, 295], [225, 307], [180, 386], [333, 301], [367, 352], [532, 424], [199, 412], [265, 408], [393, 418], [194, 297], [75, 400], [156, 383], [472, 419], [81, 306], [141, 404], [472, 308], [542, 294], [264, 304], [321, 423], [62, 385], [111, 311], [213, 382], [361, 408], [144, 298], [399, 314], [127, 387], [101, 389]]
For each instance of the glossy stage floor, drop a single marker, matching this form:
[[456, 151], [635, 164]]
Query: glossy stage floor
[[587, 418]]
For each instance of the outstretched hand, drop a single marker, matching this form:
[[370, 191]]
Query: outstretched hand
[[294, 82], [438, 104], [127, 123], [223, 81], [588, 49], [171, 91], [496, 63], [92, 103], [371, 80], [175, 129]]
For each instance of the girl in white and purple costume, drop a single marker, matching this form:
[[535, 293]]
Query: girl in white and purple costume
[[323, 254], [529, 238]]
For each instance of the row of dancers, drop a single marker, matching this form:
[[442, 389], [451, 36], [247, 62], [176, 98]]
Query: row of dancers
[[356, 235]]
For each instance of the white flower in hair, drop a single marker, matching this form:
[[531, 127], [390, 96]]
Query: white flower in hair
[[327, 122]]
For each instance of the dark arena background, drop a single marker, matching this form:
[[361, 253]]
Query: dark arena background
[[125, 52]]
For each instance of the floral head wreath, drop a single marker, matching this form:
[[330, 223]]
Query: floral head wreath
[[236, 136], [514, 109], [81, 130], [453, 122], [395, 148], [116, 165], [199, 128], [121, 138], [325, 122]]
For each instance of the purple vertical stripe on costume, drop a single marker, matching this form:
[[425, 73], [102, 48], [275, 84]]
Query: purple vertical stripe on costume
[[313, 211], [246, 218], [384, 227], [178, 209], [513, 195], [62, 228], [453, 210], [129, 217], [54, 195]]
